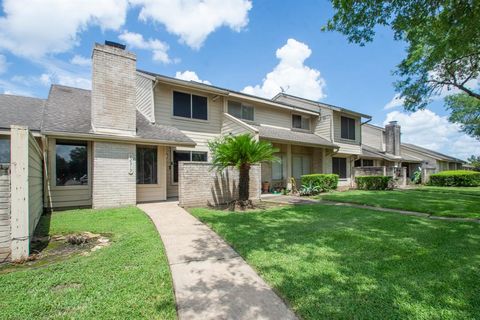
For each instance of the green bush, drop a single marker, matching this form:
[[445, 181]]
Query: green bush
[[456, 178], [321, 182], [373, 182]]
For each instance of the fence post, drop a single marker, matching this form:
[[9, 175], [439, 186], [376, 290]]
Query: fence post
[[20, 244]]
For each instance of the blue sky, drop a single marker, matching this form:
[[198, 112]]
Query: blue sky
[[252, 46]]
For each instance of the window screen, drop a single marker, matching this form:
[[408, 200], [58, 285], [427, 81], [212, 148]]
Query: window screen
[[181, 104], [300, 122], [277, 168], [71, 166], [347, 128], [240, 111], [199, 107], [147, 165], [367, 162], [339, 166], [4, 150]]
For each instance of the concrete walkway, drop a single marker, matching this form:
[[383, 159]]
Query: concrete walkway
[[293, 200], [210, 279]]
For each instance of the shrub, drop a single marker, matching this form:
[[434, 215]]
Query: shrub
[[373, 182], [320, 182], [309, 189], [457, 178]]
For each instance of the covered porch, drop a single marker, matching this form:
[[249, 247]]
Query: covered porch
[[300, 153]]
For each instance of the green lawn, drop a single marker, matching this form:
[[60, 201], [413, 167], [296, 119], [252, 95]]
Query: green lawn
[[454, 202], [348, 263], [130, 279]]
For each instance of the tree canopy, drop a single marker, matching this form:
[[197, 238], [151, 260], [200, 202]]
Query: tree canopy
[[443, 48]]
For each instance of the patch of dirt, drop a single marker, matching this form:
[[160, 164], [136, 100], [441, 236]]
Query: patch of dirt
[[49, 249], [252, 206]]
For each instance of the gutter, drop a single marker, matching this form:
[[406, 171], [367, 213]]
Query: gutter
[[98, 137]]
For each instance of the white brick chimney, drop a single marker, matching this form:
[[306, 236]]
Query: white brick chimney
[[113, 90], [392, 138]]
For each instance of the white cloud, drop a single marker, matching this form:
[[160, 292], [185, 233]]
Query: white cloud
[[39, 27], [430, 130], [81, 61], [60, 72], [194, 20], [291, 75], [394, 103], [3, 64], [190, 76], [158, 48]]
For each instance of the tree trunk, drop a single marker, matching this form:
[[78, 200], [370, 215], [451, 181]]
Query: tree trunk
[[244, 183]]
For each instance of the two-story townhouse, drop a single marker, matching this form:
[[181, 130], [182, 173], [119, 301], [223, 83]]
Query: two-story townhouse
[[121, 142]]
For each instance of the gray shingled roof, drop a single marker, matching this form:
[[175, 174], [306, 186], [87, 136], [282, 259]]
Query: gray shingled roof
[[296, 137], [22, 111], [435, 154], [371, 152], [147, 130], [68, 110]]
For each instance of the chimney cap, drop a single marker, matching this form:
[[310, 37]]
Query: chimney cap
[[115, 44], [394, 122]]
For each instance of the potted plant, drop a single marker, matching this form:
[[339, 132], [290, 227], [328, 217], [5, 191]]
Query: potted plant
[[265, 187]]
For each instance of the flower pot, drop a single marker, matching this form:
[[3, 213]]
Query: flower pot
[[265, 187]]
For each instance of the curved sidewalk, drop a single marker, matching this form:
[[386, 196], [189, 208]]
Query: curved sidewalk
[[210, 279]]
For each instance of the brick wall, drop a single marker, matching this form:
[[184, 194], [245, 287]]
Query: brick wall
[[113, 90], [369, 171], [198, 185], [114, 176], [4, 213]]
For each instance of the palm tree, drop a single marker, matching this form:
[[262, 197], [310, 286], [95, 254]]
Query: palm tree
[[242, 152]]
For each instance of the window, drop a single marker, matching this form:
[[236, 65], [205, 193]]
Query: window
[[190, 106], [277, 168], [364, 163], [339, 166], [301, 165], [147, 165], [186, 156], [4, 150], [300, 122], [348, 128], [367, 162], [240, 111], [71, 166]]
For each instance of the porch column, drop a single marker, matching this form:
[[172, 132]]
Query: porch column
[[289, 164]]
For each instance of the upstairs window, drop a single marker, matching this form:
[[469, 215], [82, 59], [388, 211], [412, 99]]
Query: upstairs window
[[71, 163], [300, 122], [348, 128], [4, 150], [240, 111], [191, 106], [147, 165]]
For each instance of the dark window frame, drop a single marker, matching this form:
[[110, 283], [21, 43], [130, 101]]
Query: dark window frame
[[302, 119], [141, 179], [347, 128], [9, 151], [193, 97], [337, 162], [190, 153], [242, 110], [85, 177]]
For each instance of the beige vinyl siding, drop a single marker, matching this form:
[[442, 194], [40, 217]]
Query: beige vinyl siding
[[323, 126], [35, 183], [67, 196], [230, 126], [373, 137], [144, 97], [155, 192], [411, 153], [273, 117], [200, 131], [346, 146], [4, 214]]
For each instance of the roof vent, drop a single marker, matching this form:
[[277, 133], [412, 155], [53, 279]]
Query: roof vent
[[115, 44]]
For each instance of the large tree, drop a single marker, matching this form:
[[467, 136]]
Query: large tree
[[443, 49], [242, 152]]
